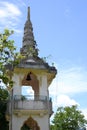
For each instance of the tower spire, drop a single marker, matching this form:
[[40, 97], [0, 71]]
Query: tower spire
[[29, 44], [28, 15]]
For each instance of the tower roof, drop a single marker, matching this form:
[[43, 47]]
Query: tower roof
[[30, 51], [29, 44]]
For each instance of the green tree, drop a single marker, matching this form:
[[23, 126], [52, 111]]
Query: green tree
[[3, 107], [68, 118], [9, 58]]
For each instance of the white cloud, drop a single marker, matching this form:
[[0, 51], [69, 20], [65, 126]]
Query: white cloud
[[69, 81], [9, 15], [2, 85], [64, 100], [73, 81], [8, 9], [27, 90], [30, 91]]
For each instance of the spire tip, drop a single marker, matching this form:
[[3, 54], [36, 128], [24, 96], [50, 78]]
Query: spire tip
[[28, 13]]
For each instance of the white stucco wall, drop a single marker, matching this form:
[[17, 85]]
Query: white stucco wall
[[43, 121], [43, 87], [16, 87]]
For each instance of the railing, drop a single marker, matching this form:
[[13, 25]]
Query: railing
[[30, 97], [30, 102]]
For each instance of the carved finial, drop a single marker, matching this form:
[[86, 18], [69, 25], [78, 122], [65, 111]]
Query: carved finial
[[28, 17]]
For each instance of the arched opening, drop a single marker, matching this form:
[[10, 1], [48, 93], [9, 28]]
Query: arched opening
[[25, 127], [27, 92], [30, 124], [30, 79]]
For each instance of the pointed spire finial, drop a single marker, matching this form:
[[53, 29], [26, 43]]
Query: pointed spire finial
[[28, 17]]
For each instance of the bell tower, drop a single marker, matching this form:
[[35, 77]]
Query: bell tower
[[31, 113]]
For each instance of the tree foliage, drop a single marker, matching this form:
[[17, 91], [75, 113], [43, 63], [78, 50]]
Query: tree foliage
[[4, 125], [9, 58], [68, 118]]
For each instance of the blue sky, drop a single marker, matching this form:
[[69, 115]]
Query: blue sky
[[60, 30]]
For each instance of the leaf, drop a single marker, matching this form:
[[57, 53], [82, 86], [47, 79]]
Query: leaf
[[68, 118]]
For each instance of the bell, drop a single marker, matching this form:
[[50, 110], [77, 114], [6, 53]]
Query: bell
[[28, 77]]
